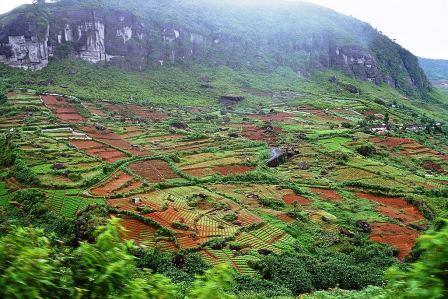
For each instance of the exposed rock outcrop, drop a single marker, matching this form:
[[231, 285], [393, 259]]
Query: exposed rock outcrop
[[24, 44], [111, 35]]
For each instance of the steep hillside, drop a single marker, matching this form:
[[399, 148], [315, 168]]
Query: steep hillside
[[140, 34], [240, 151]]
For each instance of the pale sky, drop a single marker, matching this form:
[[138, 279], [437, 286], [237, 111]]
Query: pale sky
[[418, 25]]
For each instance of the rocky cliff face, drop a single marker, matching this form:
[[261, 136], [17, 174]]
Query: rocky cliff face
[[23, 44], [118, 37], [98, 36], [92, 35]]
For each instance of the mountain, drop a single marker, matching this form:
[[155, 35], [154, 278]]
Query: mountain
[[138, 34], [192, 149], [436, 70]]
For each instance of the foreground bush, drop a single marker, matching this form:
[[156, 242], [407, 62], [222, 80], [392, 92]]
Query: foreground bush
[[33, 266], [427, 277]]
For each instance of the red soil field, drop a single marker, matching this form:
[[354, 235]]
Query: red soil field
[[291, 198], [401, 238], [93, 109], [256, 133], [116, 181], [123, 204], [198, 172], [325, 116], [136, 230], [246, 218], [63, 109], [167, 217], [433, 166], [135, 110], [327, 194], [396, 208], [99, 150], [155, 171], [113, 139], [391, 142], [187, 241], [285, 218], [133, 186]]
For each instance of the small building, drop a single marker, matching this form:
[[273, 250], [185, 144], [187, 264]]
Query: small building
[[379, 129], [136, 200]]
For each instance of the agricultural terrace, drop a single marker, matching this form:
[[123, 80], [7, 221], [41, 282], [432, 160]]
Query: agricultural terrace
[[196, 179]]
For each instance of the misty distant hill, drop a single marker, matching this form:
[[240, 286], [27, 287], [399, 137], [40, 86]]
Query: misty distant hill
[[436, 70]]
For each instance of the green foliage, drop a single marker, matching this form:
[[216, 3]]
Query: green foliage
[[103, 268], [8, 151], [27, 268], [3, 97], [88, 220], [428, 276], [181, 267], [23, 173], [302, 273], [366, 150], [32, 201], [30, 267], [215, 283]]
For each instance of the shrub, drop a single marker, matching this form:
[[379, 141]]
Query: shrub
[[367, 150], [31, 201], [23, 173], [7, 151], [426, 278], [230, 217]]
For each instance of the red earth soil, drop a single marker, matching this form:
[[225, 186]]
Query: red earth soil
[[99, 150], [124, 204], [401, 238], [246, 218], [198, 172], [63, 109], [285, 218], [187, 241], [154, 170], [133, 186], [397, 208], [326, 116], [116, 181], [433, 166], [135, 110], [113, 139], [136, 230], [397, 236], [391, 142], [166, 218], [327, 194], [94, 110], [256, 133], [291, 198]]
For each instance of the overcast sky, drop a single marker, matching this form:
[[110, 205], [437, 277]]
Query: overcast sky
[[418, 25]]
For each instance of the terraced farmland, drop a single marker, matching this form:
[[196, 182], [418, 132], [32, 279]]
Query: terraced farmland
[[202, 184]]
